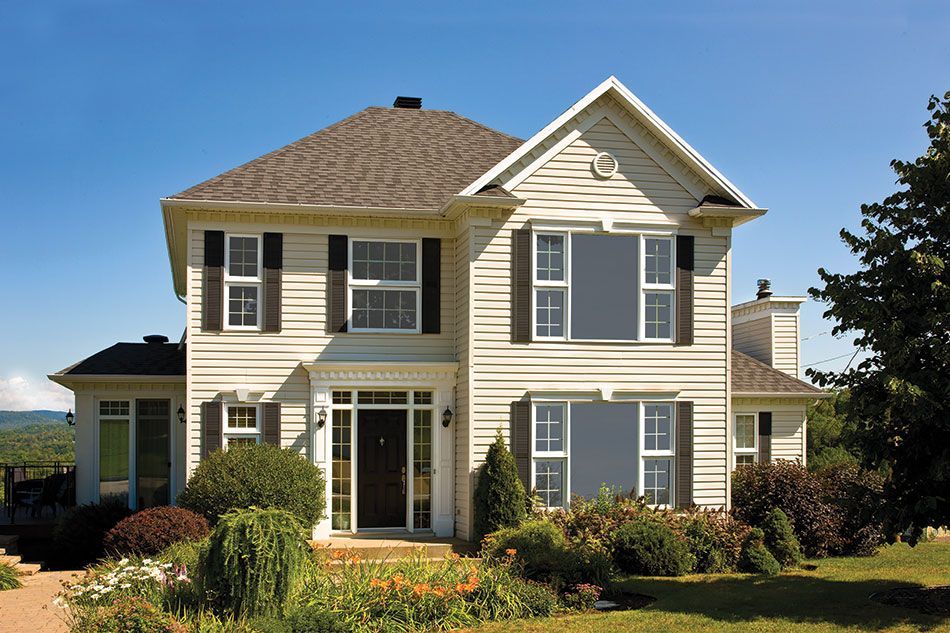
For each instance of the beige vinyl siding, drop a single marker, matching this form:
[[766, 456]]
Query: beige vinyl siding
[[785, 342], [271, 363], [788, 425], [754, 338], [463, 403]]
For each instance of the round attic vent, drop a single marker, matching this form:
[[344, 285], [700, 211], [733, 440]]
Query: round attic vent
[[605, 165]]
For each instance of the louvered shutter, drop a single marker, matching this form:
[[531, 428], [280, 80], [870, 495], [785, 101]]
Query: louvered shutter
[[212, 423], [336, 283], [685, 270], [271, 422], [765, 437], [684, 453], [431, 285], [212, 300], [521, 440], [273, 271], [521, 286]]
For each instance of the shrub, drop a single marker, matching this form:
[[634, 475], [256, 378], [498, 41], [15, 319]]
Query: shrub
[[256, 560], [543, 553], [780, 540], [755, 558], [582, 597], [651, 548], [305, 619], [9, 578], [704, 545], [595, 522], [127, 615], [859, 494], [150, 580], [500, 499], [255, 475], [78, 538], [150, 531], [537, 600]]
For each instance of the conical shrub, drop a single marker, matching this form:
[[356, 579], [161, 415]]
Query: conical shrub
[[780, 539], [500, 499]]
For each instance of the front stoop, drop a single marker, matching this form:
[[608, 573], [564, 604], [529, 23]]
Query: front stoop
[[390, 547], [10, 555]]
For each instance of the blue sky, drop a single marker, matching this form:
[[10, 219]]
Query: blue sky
[[106, 106]]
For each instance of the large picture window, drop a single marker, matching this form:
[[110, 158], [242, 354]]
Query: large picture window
[[745, 436], [242, 281], [385, 286]]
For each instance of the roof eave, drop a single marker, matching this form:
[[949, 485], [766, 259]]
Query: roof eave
[[801, 395], [458, 203], [66, 379], [715, 215]]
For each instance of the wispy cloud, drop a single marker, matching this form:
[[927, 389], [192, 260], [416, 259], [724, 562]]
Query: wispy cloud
[[19, 393]]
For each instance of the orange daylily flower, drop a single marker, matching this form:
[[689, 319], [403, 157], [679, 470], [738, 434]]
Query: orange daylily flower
[[511, 551]]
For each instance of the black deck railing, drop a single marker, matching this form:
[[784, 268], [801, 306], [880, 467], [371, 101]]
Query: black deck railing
[[35, 487]]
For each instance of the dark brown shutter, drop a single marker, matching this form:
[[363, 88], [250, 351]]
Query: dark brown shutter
[[336, 283], [273, 265], [685, 266], [271, 422], [212, 300], [521, 440], [212, 422], [521, 286], [431, 285], [765, 437], [684, 453]]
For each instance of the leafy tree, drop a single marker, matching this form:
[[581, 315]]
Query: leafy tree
[[898, 305], [500, 498], [831, 436]]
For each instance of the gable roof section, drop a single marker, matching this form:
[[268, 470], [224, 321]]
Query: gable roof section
[[752, 377], [132, 359], [642, 114], [391, 158]]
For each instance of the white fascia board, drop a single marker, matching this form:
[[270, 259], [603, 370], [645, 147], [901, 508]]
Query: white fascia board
[[768, 395], [68, 379], [651, 121]]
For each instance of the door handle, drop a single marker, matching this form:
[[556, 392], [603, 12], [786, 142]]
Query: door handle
[[404, 484]]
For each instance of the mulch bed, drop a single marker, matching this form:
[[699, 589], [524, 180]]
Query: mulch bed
[[931, 600]]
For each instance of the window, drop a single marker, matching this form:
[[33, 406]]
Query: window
[[656, 427], [341, 492], [603, 447], [243, 281], [384, 286], [382, 397], [550, 281], [550, 453], [746, 449], [422, 469], [549, 482], [242, 424], [657, 452], [657, 288], [114, 451], [549, 429], [656, 481]]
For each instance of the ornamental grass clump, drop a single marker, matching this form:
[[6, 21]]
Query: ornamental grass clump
[[9, 579], [256, 561]]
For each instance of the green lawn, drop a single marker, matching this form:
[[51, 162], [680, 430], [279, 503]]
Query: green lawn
[[832, 598]]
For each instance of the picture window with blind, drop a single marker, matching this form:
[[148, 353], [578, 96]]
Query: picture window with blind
[[242, 424], [589, 286], [242, 280], [745, 436], [385, 286]]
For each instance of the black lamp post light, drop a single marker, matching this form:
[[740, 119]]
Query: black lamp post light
[[321, 417], [70, 418], [446, 418], [181, 414]]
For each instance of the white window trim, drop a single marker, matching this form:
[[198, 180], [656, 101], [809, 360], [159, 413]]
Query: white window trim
[[364, 284], [736, 451], [129, 419], [565, 285], [644, 455], [240, 280], [228, 432], [553, 456]]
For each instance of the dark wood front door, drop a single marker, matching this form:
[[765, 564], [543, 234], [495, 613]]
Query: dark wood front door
[[381, 470]]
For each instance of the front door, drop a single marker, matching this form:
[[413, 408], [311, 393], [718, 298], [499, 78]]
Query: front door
[[152, 452], [381, 469]]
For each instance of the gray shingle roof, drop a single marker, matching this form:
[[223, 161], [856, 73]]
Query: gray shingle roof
[[752, 376], [379, 157], [133, 359]]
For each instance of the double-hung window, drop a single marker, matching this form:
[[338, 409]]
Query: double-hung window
[[242, 424], [385, 288], [242, 280], [657, 288], [745, 436], [550, 285], [550, 454], [657, 453]]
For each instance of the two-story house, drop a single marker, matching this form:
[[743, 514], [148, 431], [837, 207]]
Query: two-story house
[[387, 293]]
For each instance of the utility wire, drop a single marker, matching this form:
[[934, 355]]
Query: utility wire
[[828, 360]]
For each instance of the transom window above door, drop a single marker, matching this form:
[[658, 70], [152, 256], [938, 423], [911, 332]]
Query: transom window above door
[[385, 289], [242, 280]]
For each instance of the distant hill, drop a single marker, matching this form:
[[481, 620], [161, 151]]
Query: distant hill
[[36, 443], [17, 419]]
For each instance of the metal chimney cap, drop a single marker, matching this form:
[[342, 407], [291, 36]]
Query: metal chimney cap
[[408, 103], [764, 288], [155, 339]]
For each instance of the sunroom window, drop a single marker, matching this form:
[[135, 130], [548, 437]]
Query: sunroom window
[[384, 286], [243, 281]]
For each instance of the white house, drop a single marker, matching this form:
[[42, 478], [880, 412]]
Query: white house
[[387, 293]]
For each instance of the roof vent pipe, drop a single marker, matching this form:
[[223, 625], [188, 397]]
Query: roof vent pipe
[[764, 289], [155, 339], [408, 103]]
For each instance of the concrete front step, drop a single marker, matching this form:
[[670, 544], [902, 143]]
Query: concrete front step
[[8, 544], [23, 569], [394, 548]]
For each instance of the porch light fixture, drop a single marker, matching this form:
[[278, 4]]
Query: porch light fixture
[[70, 418], [321, 417], [446, 418], [181, 414]]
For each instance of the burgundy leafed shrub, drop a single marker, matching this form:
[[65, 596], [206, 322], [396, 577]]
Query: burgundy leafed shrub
[[859, 494], [150, 531]]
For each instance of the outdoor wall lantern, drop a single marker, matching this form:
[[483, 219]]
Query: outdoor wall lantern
[[70, 418], [446, 418], [321, 418], [181, 414]]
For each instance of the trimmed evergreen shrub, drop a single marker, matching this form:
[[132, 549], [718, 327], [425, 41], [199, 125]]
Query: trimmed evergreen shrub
[[256, 475], [256, 560], [537, 600], [755, 558], [705, 546], [500, 498], [651, 548], [150, 531], [79, 535], [9, 579], [780, 539]]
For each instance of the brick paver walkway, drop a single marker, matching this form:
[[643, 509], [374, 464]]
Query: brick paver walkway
[[30, 609]]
